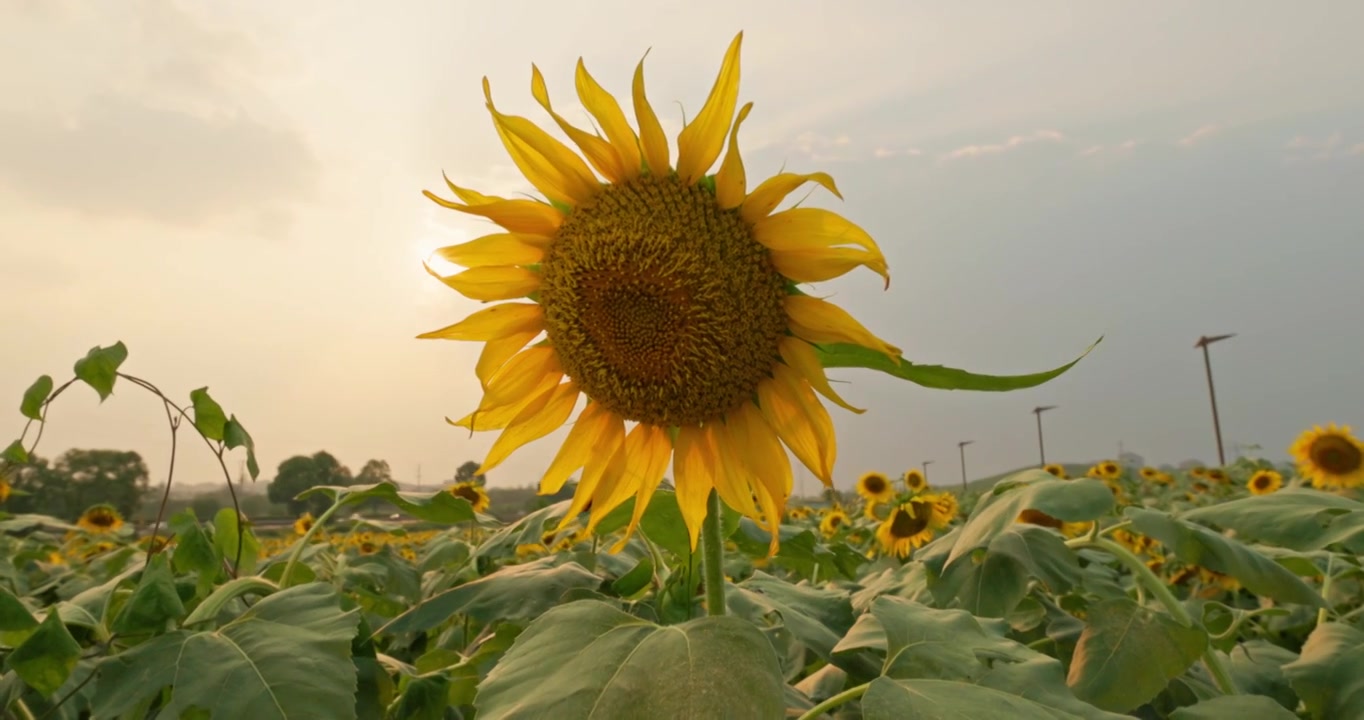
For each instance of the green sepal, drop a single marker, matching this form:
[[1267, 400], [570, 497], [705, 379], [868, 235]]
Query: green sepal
[[836, 355]]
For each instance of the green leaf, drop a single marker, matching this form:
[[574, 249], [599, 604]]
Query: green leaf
[[47, 657], [1329, 674], [153, 603], [16, 622], [588, 660], [836, 355], [636, 579], [99, 368], [818, 618], [438, 507], [516, 592], [1066, 500], [1293, 518], [1234, 706], [208, 414], [919, 641], [15, 453], [529, 530], [34, 397], [289, 656], [235, 436], [889, 699], [662, 522], [1127, 654], [193, 550], [1197, 545], [1257, 668], [227, 535], [1043, 681]]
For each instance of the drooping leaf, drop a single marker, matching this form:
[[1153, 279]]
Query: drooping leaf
[[1066, 500], [1257, 668], [1043, 681], [228, 536], [99, 368], [1329, 673], [287, 657], [817, 617], [235, 436], [15, 453], [1293, 518], [889, 699], [208, 414], [439, 506], [1250, 707], [46, 658], [836, 355], [34, 397], [588, 660], [1127, 654], [153, 603], [922, 642], [515, 592], [16, 622]]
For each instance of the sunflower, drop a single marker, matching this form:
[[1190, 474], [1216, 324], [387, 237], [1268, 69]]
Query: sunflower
[[1149, 473], [910, 525], [1057, 470], [915, 481], [1136, 542], [303, 524], [800, 512], [947, 505], [1198, 471], [1163, 478], [102, 518], [473, 492], [1330, 457], [4, 489], [1069, 529], [875, 487], [1217, 475], [1264, 482], [833, 521], [667, 297]]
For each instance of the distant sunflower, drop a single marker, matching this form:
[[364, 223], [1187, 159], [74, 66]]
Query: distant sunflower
[[833, 521], [1163, 478], [1057, 470], [910, 525], [915, 481], [875, 487], [473, 492], [1199, 487], [303, 524], [1198, 471], [4, 489], [800, 512], [667, 297], [947, 505], [1069, 529], [1217, 475], [367, 547], [102, 518], [1149, 473], [1330, 457], [1264, 482]]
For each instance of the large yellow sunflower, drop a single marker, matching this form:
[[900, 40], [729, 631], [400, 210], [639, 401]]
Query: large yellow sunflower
[[875, 487], [912, 524], [102, 518], [667, 297], [473, 492], [915, 481], [1330, 457], [1264, 482]]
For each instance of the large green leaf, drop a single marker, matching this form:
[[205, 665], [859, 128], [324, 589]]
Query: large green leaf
[[438, 507], [209, 417], [516, 592], [229, 537], [889, 699], [1197, 545], [919, 641], [153, 603], [1251, 707], [836, 355], [996, 579], [1043, 681], [1127, 654], [235, 436], [1067, 500], [47, 657], [289, 656], [1257, 668], [1293, 518], [1329, 674], [588, 660], [99, 368], [16, 622], [529, 530], [32, 405], [817, 617]]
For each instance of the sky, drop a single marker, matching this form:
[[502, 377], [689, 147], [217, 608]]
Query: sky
[[234, 191]]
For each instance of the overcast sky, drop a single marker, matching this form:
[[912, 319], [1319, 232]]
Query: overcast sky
[[234, 190]]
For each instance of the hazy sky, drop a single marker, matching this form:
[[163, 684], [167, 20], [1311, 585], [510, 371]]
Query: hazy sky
[[234, 190]]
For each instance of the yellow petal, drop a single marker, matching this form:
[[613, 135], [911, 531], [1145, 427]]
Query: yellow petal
[[693, 474], [733, 480], [599, 465], [820, 264], [541, 417], [611, 490], [498, 321], [802, 358], [817, 321], [520, 374], [651, 137], [496, 417], [701, 140], [612, 119], [730, 182], [649, 449], [519, 216], [499, 249], [768, 195], [597, 151], [491, 283], [497, 352], [807, 228], [585, 434], [794, 412], [756, 439], [547, 163]]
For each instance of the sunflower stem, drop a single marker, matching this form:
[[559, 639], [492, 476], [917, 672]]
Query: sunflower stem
[[286, 579], [1326, 589], [840, 699], [713, 557]]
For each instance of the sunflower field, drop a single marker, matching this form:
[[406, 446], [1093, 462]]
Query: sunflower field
[[682, 580]]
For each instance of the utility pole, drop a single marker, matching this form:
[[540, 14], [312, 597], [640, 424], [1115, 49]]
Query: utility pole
[[925, 465], [1041, 449], [961, 447], [419, 477], [1204, 342]]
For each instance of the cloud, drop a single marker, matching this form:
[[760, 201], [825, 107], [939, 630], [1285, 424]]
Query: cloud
[[883, 152], [1013, 143], [1199, 135], [1121, 149], [1306, 148], [823, 148]]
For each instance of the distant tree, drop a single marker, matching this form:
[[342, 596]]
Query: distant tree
[[466, 473], [301, 472], [79, 479], [374, 472], [205, 506]]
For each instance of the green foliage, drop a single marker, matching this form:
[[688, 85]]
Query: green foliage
[[1127, 654], [31, 406], [78, 480], [836, 355], [303, 472], [99, 368]]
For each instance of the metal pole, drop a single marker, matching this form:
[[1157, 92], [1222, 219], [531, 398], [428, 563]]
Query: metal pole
[[1041, 449], [1204, 342], [925, 465], [961, 446]]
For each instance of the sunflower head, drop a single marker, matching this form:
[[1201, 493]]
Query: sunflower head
[[947, 506], [799, 512], [1056, 470], [102, 518], [303, 524], [1136, 542], [915, 481], [833, 521], [5, 489], [1199, 487], [1264, 482], [1198, 471], [1031, 516], [473, 492], [910, 525], [1149, 473], [666, 296], [367, 546], [1217, 475], [875, 487], [1330, 457]]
